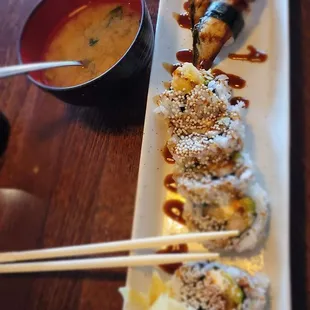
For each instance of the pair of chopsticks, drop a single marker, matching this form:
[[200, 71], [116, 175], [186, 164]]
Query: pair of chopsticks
[[8, 261]]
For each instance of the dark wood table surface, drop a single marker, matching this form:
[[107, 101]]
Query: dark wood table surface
[[82, 168]]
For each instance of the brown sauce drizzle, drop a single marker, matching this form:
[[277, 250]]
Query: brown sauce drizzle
[[173, 249], [170, 68], [235, 81], [183, 20], [169, 183], [234, 101], [186, 6], [241, 5], [168, 156], [185, 55], [174, 209], [253, 56]]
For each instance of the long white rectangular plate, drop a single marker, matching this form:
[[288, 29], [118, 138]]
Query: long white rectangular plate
[[267, 137]]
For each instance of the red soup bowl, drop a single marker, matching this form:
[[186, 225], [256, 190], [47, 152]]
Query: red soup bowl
[[42, 23]]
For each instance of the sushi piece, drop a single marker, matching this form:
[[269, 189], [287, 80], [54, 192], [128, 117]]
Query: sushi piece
[[200, 118], [248, 214], [201, 187], [201, 286], [198, 95], [199, 111], [214, 286], [231, 166], [221, 22], [205, 149], [197, 102]]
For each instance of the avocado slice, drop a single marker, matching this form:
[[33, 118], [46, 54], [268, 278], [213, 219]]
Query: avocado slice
[[236, 156], [248, 204], [233, 292]]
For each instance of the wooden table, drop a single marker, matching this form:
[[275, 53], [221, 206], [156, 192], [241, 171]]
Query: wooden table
[[84, 173]]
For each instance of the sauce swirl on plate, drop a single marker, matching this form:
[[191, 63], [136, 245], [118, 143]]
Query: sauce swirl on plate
[[254, 55], [241, 5], [186, 6], [185, 55], [173, 249], [174, 209], [168, 156], [234, 101], [235, 81], [169, 183], [183, 20]]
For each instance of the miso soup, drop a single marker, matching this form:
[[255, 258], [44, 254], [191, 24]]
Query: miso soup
[[98, 34]]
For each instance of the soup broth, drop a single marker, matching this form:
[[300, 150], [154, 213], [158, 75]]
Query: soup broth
[[98, 35]]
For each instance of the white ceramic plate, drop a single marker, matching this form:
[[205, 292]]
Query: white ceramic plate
[[267, 137]]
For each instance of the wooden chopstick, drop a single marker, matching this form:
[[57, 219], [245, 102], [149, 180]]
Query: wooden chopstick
[[110, 247], [104, 263]]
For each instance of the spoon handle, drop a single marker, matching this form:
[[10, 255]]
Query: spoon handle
[[20, 69]]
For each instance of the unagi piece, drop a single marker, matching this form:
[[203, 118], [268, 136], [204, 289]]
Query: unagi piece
[[221, 21]]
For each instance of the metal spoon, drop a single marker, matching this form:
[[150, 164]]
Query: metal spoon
[[20, 69]]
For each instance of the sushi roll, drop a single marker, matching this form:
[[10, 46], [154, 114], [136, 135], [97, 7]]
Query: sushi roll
[[248, 214], [222, 21], [211, 170], [204, 188], [214, 286]]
